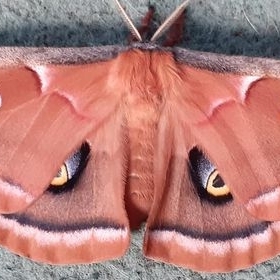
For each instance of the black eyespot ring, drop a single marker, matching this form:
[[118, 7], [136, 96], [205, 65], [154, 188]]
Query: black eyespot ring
[[208, 182], [70, 170]]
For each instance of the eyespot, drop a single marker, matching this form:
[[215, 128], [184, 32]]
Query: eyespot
[[206, 178], [216, 185], [62, 176], [70, 170]]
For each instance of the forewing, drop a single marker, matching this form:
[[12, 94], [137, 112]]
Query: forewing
[[48, 113], [242, 139], [17, 86]]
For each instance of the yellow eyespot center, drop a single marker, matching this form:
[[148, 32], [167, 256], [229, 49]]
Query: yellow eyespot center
[[61, 178], [216, 185]]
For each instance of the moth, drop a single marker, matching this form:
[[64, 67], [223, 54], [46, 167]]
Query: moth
[[96, 141]]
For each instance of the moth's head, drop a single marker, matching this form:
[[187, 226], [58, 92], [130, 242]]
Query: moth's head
[[144, 35]]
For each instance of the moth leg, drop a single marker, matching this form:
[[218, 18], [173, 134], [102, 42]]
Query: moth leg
[[175, 33], [145, 27]]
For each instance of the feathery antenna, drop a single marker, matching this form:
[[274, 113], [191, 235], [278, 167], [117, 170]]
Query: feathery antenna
[[170, 20], [128, 21]]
